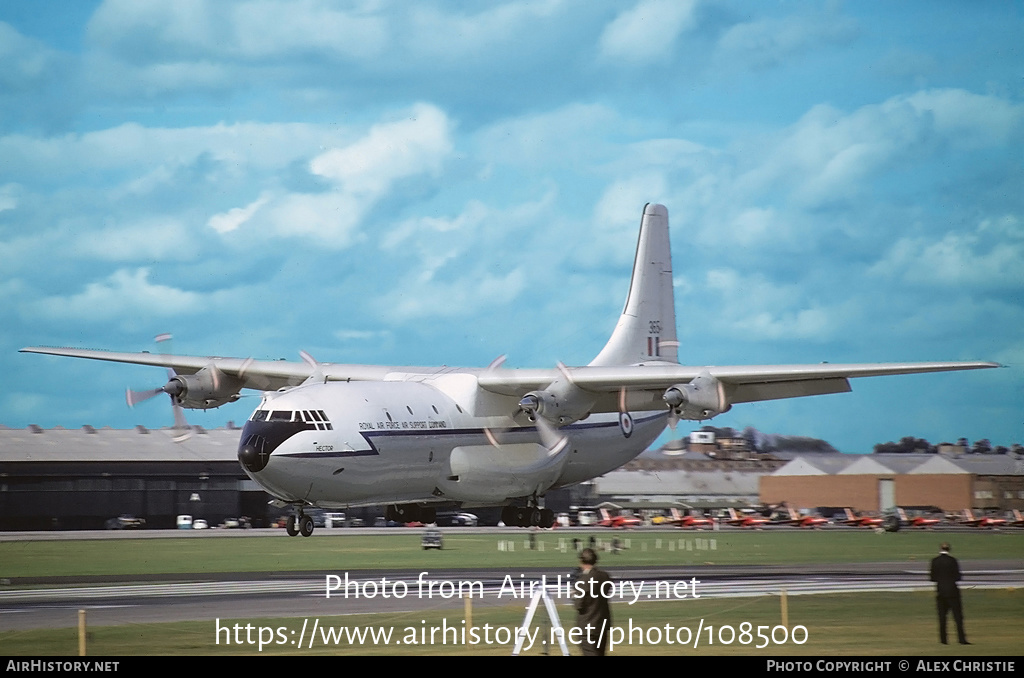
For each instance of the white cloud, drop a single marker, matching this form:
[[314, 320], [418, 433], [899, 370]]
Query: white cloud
[[201, 29], [156, 152], [565, 137], [390, 151], [647, 32], [446, 37], [157, 238], [123, 293], [757, 308], [233, 218], [990, 257], [428, 297], [768, 42], [24, 62], [9, 196], [830, 156], [359, 175], [363, 335]]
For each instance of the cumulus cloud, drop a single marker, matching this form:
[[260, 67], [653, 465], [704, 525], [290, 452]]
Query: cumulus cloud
[[357, 175], [989, 257], [233, 218], [647, 32], [758, 308], [829, 156], [429, 297], [766, 43], [390, 151], [24, 62], [201, 29], [123, 293], [152, 239]]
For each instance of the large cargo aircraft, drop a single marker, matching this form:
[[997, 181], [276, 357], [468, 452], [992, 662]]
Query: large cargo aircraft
[[413, 438]]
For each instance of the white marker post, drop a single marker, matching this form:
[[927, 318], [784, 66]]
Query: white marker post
[[541, 593]]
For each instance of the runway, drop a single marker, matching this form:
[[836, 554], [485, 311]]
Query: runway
[[254, 595]]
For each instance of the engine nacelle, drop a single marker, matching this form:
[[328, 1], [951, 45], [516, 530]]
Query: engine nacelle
[[204, 390], [560, 403], [703, 398]]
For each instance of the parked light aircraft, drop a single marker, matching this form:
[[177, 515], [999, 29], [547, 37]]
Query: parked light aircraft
[[687, 520], [916, 521], [853, 520], [413, 438], [618, 521], [745, 520], [794, 518], [984, 521]]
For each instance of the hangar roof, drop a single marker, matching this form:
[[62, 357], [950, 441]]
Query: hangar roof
[[35, 444]]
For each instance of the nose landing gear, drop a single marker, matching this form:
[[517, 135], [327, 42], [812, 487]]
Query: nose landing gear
[[299, 523]]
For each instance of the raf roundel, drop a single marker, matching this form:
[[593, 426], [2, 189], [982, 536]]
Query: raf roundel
[[626, 424]]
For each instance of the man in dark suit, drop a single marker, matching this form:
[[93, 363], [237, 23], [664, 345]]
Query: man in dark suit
[[945, 572], [592, 606]]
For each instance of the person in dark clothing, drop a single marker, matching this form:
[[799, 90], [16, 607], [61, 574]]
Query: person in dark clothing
[[594, 614], [945, 572]]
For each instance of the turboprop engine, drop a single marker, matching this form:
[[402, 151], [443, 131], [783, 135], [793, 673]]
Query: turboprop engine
[[206, 389], [561, 403], [702, 398]]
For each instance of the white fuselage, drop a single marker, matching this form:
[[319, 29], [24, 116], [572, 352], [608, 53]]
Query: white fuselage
[[340, 444]]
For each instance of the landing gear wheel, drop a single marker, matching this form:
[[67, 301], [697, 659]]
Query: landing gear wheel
[[306, 526], [289, 526], [403, 513], [547, 519]]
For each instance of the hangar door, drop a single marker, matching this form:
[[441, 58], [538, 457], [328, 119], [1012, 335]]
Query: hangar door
[[886, 495]]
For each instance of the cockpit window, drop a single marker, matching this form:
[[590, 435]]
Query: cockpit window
[[280, 415], [259, 415]]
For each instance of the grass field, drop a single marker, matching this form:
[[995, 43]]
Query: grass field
[[870, 624], [866, 624], [346, 551]]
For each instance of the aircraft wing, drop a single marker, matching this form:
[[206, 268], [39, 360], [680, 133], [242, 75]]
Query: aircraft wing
[[742, 383], [263, 375], [748, 383]]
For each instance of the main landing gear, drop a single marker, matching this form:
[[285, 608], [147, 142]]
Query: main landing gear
[[521, 516], [410, 513], [299, 523]]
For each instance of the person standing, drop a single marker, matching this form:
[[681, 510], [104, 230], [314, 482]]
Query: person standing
[[945, 572], [594, 614]]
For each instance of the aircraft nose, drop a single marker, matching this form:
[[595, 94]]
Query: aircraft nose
[[252, 453]]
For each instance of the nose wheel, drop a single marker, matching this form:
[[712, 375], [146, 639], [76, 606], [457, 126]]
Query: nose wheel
[[299, 524]]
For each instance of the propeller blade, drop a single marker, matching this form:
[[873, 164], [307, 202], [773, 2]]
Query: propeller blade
[[133, 398], [550, 437], [318, 374]]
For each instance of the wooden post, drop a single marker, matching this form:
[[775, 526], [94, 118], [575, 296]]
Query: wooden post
[[469, 616], [785, 609], [81, 633]]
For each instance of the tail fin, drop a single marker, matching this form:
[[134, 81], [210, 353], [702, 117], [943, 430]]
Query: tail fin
[[646, 330]]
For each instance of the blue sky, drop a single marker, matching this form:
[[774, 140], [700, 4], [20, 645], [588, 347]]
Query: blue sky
[[445, 182]]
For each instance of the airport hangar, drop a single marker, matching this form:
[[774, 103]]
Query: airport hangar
[[870, 483], [80, 478]]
